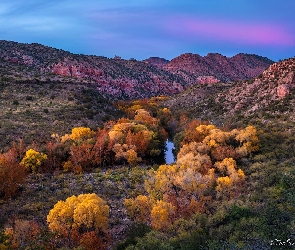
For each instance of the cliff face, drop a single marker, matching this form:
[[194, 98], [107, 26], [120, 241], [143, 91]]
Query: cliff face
[[125, 79]]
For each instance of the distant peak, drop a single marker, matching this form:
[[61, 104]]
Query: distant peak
[[157, 61]]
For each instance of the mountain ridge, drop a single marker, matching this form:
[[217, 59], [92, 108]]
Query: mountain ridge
[[239, 67], [264, 98], [124, 79]]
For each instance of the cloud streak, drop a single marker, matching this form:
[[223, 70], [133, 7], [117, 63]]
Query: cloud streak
[[230, 31]]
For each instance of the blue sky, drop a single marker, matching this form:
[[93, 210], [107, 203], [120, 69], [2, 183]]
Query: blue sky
[[165, 28]]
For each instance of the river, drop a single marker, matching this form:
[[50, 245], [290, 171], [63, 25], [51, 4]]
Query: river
[[169, 157]]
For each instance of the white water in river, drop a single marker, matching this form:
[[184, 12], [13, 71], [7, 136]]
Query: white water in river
[[169, 157]]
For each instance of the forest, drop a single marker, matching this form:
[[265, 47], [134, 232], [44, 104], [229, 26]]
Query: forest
[[230, 187]]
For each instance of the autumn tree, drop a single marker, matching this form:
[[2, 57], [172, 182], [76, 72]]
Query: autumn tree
[[78, 215], [142, 116], [159, 213], [126, 152], [137, 139], [88, 149], [162, 215], [139, 208], [33, 160], [12, 174], [248, 140], [81, 133], [200, 174]]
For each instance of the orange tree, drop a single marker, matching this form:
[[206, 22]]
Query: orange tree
[[12, 174]]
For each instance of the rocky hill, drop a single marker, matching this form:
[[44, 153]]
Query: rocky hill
[[265, 98], [225, 69], [115, 78], [124, 79]]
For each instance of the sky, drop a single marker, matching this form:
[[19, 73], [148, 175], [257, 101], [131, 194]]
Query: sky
[[143, 28]]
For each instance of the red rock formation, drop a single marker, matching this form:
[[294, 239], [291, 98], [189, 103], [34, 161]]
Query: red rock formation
[[239, 67], [207, 79], [283, 90]]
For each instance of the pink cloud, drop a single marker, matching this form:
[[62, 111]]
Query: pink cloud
[[234, 31]]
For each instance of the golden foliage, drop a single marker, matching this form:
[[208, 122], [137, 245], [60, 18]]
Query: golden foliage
[[33, 159], [162, 215], [144, 117], [131, 157], [248, 139], [86, 211], [224, 186], [126, 152], [138, 208], [197, 178], [67, 166], [205, 129], [194, 156], [81, 133], [166, 111]]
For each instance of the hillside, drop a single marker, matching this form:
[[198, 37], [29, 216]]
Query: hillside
[[157, 61], [125, 79], [265, 98], [115, 78], [33, 109]]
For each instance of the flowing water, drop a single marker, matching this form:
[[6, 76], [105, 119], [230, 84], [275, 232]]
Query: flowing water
[[169, 157]]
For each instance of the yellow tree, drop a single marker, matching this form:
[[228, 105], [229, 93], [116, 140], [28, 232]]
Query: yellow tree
[[88, 210], [80, 134], [144, 117], [33, 159], [248, 139], [139, 208], [200, 174], [131, 157], [126, 152], [224, 187], [83, 213], [162, 215]]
